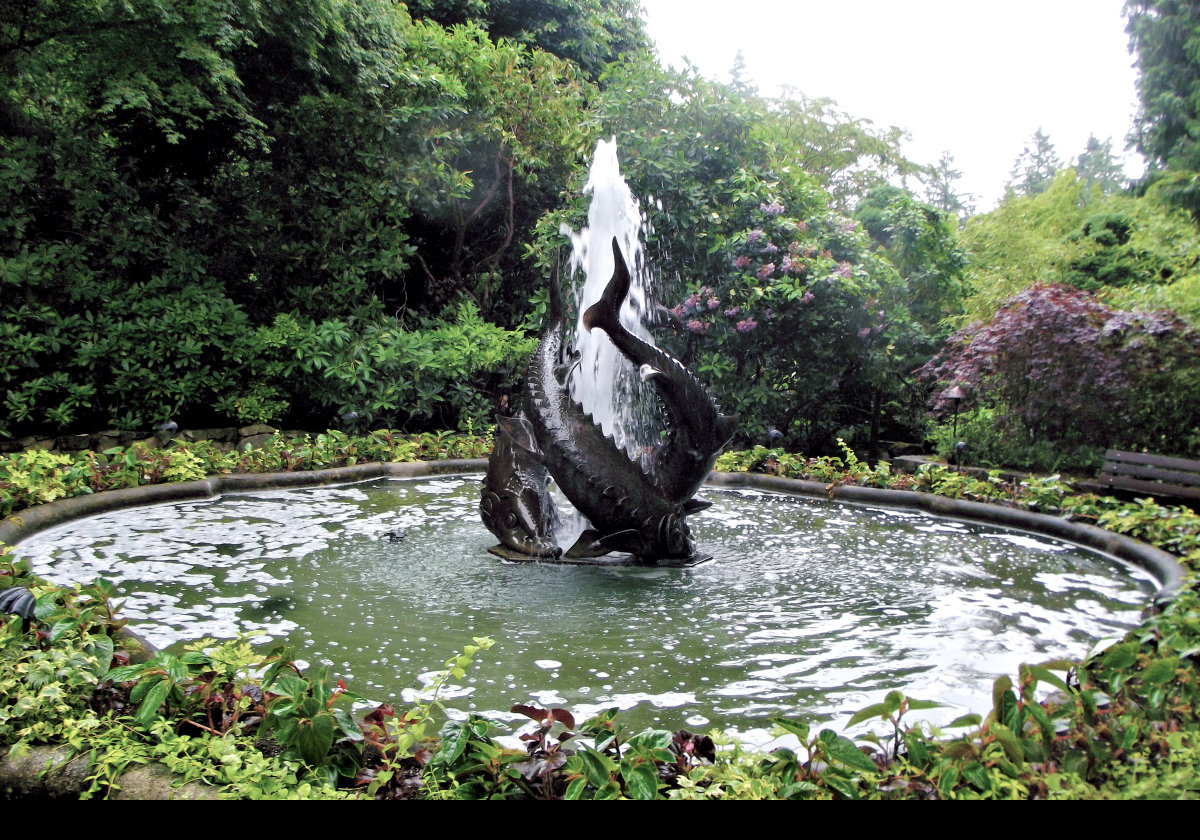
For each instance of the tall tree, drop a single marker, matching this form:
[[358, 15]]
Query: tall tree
[[941, 191], [1034, 169], [1097, 166], [589, 33], [1165, 37]]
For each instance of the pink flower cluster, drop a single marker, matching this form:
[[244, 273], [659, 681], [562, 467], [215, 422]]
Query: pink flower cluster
[[766, 271], [772, 209], [741, 262], [746, 325], [697, 327], [845, 269]]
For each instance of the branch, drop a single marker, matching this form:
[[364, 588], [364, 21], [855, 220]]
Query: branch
[[508, 219]]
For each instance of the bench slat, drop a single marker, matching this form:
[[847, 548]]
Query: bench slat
[[1151, 473], [1153, 488], [1185, 464], [1156, 475]]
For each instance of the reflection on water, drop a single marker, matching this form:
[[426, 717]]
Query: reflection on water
[[808, 609]]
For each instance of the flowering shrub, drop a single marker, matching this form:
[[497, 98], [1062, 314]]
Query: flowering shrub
[[1057, 365]]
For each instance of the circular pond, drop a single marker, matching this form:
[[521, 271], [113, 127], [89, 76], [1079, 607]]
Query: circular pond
[[809, 609]]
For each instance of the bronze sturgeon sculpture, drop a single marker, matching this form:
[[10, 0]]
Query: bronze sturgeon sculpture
[[629, 510]]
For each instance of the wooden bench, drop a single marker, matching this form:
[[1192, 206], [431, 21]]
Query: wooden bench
[[1155, 475]]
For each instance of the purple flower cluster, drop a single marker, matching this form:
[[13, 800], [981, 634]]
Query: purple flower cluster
[[754, 236], [792, 266], [771, 248], [741, 262], [713, 302], [845, 269], [848, 226], [746, 325], [766, 271], [697, 327], [733, 312], [772, 209], [809, 297]]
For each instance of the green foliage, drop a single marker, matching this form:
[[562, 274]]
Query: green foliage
[[36, 476], [1162, 34], [434, 377], [990, 445], [177, 178], [1042, 239], [589, 33]]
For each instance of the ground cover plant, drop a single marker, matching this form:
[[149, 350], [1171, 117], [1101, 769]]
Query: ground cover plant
[[1122, 725]]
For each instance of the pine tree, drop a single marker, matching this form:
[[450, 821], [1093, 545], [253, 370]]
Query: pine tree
[[1034, 169]]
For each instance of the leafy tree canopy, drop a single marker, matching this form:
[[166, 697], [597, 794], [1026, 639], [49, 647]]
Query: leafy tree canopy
[[588, 33], [1165, 37], [1134, 251]]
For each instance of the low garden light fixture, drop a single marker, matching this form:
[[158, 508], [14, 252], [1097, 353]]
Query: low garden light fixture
[[956, 396]]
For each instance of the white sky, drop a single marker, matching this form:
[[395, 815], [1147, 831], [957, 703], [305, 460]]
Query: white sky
[[975, 78]]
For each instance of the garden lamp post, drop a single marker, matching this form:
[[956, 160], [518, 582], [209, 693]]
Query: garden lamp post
[[956, 396]]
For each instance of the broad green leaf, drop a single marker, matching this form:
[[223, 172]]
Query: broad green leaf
[[576, 789], [154, 698], [1010, 743], [966, 720], [61, 628], [1000, 688], [100, 647], [918, 751], [314, 737], [1120, 656], [454, 740], [843, 751], [977, 775], [795, 727], [876, 710], [922, 705], [598, 768], [1044, 674], [1160, 671], [653, 739], [846, 787], [642, 781]]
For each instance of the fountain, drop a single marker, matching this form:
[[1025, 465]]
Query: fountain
[[576, 424], [810, 607]]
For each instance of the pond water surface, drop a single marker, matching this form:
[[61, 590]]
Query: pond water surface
[[809, 609]]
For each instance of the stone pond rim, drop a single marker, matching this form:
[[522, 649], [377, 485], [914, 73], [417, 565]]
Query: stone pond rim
[[27, 778], [1165, 569]]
